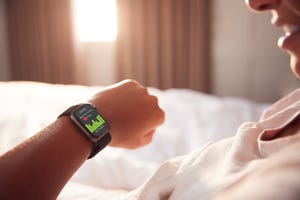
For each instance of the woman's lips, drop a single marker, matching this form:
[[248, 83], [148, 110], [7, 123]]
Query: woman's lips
[[291, 37], [291, 43], [292, 28]]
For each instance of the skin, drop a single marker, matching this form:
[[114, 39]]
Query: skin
[[27, 171], [39, 167], [285, 15]]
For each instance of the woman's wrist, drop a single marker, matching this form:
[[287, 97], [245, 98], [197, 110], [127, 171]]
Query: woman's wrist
[[72, 137]]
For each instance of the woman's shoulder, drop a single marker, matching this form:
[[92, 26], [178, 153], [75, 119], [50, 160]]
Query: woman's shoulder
[[287, 101]]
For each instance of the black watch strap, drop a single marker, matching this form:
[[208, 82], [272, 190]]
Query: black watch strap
[[101, 144], [97, 146]]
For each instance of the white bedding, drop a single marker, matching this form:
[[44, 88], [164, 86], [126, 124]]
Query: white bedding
[[192, 119]]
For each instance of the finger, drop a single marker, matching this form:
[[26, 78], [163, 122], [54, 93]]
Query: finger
[[147, 138]]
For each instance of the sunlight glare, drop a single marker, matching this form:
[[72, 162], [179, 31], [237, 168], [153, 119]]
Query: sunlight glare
[[96, 20]]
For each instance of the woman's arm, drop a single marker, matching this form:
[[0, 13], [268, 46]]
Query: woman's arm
[[39, 167]]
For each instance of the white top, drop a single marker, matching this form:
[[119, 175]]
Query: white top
[[255, 164]]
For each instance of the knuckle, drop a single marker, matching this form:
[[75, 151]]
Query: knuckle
[[130, 82], [162, 116], [144, 90], [153, 99], [159, 116]]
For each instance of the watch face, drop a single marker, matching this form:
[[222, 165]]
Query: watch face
[[91, 120]]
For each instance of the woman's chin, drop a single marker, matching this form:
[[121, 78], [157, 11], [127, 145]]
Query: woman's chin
[[295, 66]]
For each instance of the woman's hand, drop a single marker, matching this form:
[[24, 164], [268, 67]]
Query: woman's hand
[[131, 112]]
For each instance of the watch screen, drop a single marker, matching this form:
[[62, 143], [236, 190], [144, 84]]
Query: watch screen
[[88, 116]]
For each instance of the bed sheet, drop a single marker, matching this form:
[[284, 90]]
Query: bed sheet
[[192, 119]]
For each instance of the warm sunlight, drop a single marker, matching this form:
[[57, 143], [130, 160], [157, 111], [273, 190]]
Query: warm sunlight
[[96, 20]]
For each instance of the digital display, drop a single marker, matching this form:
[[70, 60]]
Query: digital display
[[88, 116]]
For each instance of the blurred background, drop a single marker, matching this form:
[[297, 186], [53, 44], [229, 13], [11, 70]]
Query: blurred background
[[213, 46]]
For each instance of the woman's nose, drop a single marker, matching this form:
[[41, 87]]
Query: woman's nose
[[261, 5]]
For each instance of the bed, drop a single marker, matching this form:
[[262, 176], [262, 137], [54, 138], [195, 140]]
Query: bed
[[192, 119]]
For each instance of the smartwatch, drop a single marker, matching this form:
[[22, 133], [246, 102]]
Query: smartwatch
[[91, 125]]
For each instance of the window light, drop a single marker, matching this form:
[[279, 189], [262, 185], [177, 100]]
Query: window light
[[96, 20]]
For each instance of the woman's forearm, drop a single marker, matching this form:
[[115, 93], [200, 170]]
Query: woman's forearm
[[41, 166]]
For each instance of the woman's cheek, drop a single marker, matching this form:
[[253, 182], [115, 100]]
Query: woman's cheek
[[294, 5]]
